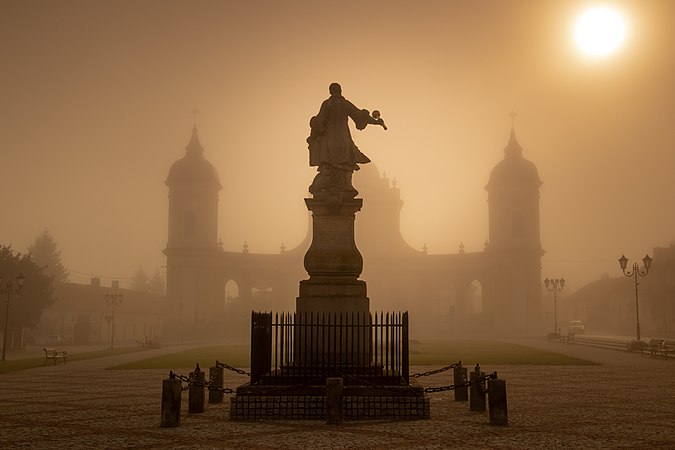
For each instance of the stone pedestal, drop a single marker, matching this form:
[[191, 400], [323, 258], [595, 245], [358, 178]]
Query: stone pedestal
[[333, 261], [333, 291]]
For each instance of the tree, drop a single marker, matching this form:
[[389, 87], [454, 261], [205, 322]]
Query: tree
[[37, 293], [140, 281], [45, 254], [157, 285]]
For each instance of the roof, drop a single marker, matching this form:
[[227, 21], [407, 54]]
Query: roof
[[514, 170], [193, 169]]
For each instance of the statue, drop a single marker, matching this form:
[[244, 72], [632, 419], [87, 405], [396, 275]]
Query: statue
[[331, 147]]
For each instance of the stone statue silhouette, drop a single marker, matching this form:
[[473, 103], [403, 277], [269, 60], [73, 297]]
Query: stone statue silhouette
[[331, 147]]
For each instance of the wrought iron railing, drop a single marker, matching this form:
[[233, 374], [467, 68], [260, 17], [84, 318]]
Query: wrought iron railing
[[291, 348]]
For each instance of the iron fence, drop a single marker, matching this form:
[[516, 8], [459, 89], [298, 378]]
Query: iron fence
[[291, 347]]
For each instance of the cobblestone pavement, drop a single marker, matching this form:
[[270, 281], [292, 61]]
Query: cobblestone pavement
[[625, 402]]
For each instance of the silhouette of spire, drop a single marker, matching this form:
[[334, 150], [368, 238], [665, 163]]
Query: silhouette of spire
[[513, 148], [194, 147]]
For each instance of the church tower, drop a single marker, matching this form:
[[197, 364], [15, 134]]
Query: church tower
[[192, 246], [514, 248]]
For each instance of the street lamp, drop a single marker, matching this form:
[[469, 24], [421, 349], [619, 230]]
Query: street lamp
[[9, 288], [113, 300], [623, 262], [555, 286]]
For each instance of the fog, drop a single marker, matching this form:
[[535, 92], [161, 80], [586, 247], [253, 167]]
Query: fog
[[97, 101]]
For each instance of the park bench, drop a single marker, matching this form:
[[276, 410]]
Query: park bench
[[661, 347], [54, 355], [567, 338], [668, 346]]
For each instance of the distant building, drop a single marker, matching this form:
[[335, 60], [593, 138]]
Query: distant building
[[81, 316], [607, 306], [495, 291]]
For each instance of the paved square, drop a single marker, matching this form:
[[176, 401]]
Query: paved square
[[627, 401]]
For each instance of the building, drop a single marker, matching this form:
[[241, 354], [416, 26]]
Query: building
[[495, 291], [607, 306], [81, 315]]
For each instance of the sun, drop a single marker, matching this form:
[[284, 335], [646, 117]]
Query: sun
[[600, 31]]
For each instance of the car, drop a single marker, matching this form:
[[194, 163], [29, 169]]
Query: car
[[576, 327]]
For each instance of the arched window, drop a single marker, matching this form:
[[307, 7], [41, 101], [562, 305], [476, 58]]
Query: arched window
[[475, 297], [231, 291]]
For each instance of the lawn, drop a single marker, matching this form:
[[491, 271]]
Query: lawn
[[427, 352], [470, 352], [236, 355], [29, 363]]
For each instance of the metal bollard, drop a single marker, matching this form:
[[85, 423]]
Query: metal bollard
[[497, 402], [334, 400], [196, 391], [459, 377], [477, 391], [171, 396], [216, 377]]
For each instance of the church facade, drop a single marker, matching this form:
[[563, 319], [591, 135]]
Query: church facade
[[496, 291]]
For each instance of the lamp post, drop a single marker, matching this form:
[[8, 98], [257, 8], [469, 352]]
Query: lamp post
[[555, 286], [623, 262], [113, 300], [9, 288]]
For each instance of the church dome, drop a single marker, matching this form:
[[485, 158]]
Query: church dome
[[193, 168], [514, 170]]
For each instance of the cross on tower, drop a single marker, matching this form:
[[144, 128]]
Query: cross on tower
[[513, 116], [195, 112]]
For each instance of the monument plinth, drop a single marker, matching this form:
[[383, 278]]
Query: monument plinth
[[333, 261]]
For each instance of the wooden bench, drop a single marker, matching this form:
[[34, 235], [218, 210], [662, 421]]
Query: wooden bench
[[660, 347], [567, 339], [54, 355], [668, 346]]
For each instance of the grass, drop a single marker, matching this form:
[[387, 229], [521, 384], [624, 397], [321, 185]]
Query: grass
[[29, 363], [237, 355], [470, 352], [428, 352]]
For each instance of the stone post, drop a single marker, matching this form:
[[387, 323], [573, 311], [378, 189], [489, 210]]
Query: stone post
[[216, 377], [334, 400], [196, 392], [459, 377], [497, 402], [171, 397], [476, 393]]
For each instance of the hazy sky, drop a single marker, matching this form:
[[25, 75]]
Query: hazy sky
[[96, 100]]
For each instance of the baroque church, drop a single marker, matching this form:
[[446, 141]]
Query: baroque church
[[496, 291]]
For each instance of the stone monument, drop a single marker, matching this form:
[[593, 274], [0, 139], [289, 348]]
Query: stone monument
[[332, 333], [333, 260]]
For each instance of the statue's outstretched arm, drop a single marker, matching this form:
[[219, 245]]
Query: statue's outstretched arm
[[363, 118]]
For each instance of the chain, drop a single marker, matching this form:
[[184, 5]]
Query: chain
[[192, 382], [433, 372], [481, 381], [233, 369]]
